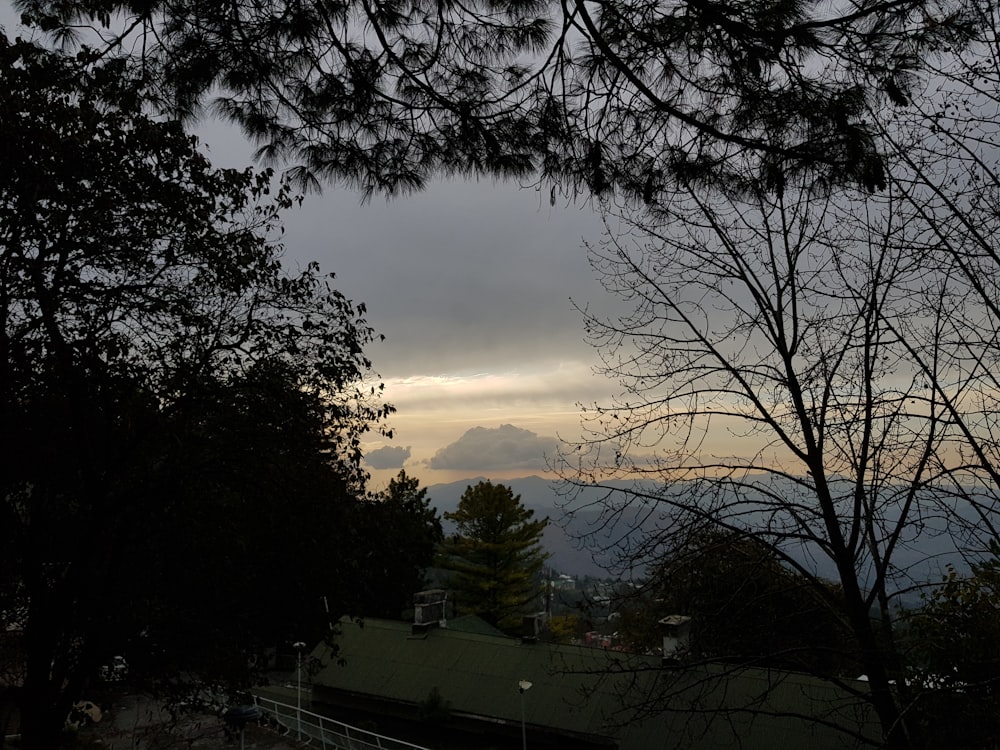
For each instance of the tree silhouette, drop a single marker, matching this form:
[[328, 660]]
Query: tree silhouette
[[593, 96], [835, 343], [181, 417], [745, 607], [494, 557], [401, 532], [954, 667]]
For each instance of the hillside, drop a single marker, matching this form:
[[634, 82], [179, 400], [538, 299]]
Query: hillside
[[582, 545], [575, 544]]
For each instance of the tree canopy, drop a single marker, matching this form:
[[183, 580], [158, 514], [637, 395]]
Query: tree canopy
[[181, 417], [494, 558], [810, 193], [401, 532], [950, 646], [585, 95], [745, 607]]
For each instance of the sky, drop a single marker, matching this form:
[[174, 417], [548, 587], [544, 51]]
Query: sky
[[473, 285]]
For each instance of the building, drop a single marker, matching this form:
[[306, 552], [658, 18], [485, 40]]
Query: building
[[458, 686]]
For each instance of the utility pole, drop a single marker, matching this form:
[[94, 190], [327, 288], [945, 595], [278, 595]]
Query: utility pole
[[298, 646], [522, 688]]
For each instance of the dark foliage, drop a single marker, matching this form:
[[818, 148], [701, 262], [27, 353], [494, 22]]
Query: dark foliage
[[181, 418], [745, 607], [401, 532], [955, 669], [494, 558], [626, 96]]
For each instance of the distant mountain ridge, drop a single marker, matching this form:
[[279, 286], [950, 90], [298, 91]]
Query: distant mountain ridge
[[583, 546], [573, 547]]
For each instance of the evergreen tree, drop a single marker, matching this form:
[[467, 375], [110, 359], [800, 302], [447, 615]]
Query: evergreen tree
[[627, 97], [402, 532], [495, 555]]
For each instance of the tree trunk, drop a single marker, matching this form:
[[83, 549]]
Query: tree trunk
[[895, 731]]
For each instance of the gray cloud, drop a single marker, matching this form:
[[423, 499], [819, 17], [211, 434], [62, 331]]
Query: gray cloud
[[505, 447], [465, 280], [389, 457], [463, 277], [460, 277]]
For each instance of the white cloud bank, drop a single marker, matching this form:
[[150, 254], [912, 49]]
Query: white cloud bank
[[389, 457], [502, 448]]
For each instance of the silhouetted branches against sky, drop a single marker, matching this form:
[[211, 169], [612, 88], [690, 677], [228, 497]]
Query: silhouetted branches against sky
[[591, 96]]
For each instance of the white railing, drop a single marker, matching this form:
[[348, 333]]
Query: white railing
[[328, 732]]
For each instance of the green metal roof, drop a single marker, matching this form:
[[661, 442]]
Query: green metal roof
[[473, 624], [581, 691]]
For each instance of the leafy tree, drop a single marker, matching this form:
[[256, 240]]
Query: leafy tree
[[951, 647], [744, 605], [494, 557], [232, 555], [181, 417], [564, 628], [589, 95], [403, 532]]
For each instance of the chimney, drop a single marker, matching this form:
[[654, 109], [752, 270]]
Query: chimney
[[430, 610], [532, 626], [676, 637]]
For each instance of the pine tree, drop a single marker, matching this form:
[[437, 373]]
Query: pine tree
[[402, 531], [629, 98], [495, 555]]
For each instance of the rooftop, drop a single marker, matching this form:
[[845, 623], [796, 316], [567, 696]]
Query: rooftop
[[599, 696]]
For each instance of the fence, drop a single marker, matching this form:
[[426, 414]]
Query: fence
[[326, 731]]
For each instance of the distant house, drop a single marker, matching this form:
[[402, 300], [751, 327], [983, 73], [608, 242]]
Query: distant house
[[458, 686]]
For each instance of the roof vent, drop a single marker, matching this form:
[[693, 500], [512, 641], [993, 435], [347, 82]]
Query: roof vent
[[430, 610], [676, 637], [532, 626]]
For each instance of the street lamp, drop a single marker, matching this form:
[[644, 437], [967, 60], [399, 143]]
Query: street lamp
[[522, 687], [298, 646]]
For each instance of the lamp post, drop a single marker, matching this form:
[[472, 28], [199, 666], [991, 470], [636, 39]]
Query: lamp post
[[522, 688], [298, 646]]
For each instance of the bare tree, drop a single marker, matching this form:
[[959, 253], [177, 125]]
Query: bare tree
[[813, 370], [947, 175]]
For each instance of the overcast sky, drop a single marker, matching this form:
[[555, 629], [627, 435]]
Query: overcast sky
[[471, 284]]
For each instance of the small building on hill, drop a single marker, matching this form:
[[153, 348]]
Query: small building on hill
[[461, 686]]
